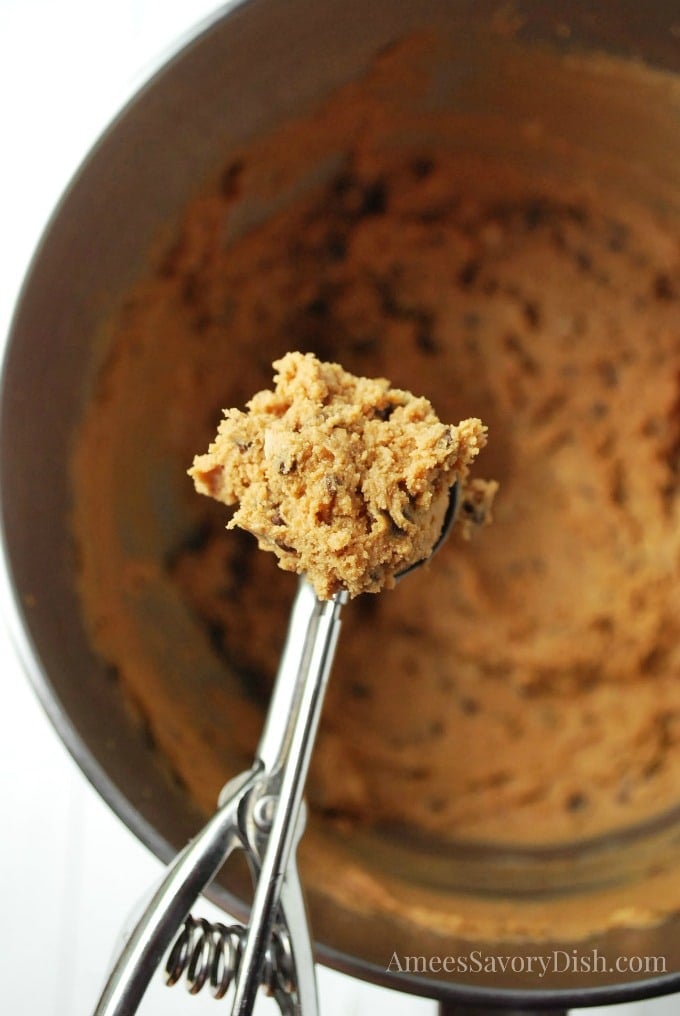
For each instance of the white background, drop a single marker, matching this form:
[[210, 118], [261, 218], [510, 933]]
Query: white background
[[70, 872]]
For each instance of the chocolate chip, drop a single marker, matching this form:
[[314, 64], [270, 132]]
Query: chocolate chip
[[318, 307], [359, 690], [532, 314], [475, 513], [576, 801], [285, 547], [374, 200], [336, 247], [426, 342], [229, 180], [422, 167], [663, 287], [468, 273]]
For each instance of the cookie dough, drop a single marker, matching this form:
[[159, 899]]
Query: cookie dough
[[345, 479], [522, 692]]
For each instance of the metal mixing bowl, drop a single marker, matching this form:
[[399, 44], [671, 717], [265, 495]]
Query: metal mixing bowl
[[250, 68]]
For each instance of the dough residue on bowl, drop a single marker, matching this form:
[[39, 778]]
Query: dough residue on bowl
[[523, 691]]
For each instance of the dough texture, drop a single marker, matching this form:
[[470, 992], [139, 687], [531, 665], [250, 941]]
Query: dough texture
[[521, 693], [344, 478]]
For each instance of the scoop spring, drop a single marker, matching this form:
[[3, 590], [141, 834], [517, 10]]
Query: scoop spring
[[208, 954]]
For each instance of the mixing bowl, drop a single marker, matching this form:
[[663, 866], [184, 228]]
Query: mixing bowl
[[147, 695]]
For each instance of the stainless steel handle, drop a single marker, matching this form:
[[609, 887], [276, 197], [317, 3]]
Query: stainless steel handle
[[285, 750]]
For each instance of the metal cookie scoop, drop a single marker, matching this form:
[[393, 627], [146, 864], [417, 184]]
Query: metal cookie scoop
[[262, 813]]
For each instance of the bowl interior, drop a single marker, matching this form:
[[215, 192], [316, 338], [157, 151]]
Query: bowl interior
[[512, 196]]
